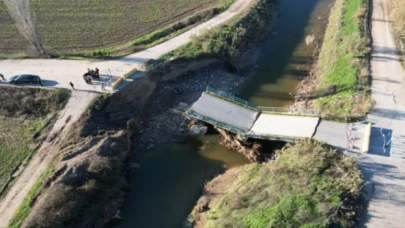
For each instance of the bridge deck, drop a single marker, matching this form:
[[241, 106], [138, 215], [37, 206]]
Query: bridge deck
[[285, 125], [249, 121], [224, 111]]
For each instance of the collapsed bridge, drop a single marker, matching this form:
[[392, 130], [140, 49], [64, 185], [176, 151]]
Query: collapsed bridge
[[250, 121]]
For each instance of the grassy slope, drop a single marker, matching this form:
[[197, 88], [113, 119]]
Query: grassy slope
[[229, 42], [397, 15], [15, 136], [310, 185], [343, 62], [25, 208], [106, 23], [22, 115]]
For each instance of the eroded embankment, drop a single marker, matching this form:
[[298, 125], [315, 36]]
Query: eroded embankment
[[340, 86], [309, 185], [89, 175], [258, 151]]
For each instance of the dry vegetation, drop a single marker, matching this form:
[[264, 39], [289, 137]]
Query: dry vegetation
[[32, 102], [89, 176], [74, 26], [24, 112], [397, 15], [309, 185], [343, 91], [230, 42], [87, 181]]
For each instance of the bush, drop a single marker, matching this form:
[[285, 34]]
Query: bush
[[35, 102], [229, 42], [310, 185]]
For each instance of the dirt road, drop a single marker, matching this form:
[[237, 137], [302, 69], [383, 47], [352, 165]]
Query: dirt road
[[384, 166], [58, 73], [41, 160]]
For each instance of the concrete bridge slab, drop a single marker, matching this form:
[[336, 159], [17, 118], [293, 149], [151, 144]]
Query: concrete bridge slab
[[285, 125], [224, 111]]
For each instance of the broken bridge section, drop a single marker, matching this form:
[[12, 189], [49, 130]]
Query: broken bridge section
[[250, 121]]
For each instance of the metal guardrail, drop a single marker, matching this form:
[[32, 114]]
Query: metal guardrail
[[273, 137], [290, 111], [233, 99], [262, 109], [241, 132], [220, 124], [247, 133]]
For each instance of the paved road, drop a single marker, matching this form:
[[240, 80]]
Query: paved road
[[384, 167], [58, 73]]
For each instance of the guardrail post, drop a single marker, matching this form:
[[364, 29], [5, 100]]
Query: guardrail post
[[367, 137]]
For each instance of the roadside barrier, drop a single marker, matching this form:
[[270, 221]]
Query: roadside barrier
[[117, 83], [367, 138], [123, 78], [129, 73]]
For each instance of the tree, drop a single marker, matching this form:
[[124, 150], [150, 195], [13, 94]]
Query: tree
[[21, 12]]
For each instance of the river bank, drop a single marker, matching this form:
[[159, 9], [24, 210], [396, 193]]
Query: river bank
[[97, 151], [325, 192], [172, 172], [340, 85], [217, 195]]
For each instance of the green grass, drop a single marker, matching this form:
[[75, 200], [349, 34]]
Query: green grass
[[25, 208], [231, 41], [310, 185], [23, 115], [96, 27], [343, 63], [15, 136]]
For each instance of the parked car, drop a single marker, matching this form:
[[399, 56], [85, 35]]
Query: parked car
[[25, 79]]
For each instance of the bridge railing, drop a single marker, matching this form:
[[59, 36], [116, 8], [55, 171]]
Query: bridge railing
[[214, 122], [230, 98], [272, 137], [289, 111]]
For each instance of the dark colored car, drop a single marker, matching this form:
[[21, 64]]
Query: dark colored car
[[25, 79]]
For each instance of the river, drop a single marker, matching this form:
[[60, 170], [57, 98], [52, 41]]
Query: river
[[171, 177]]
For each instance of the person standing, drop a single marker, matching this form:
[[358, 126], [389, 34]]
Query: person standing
[[72, 85], [2, 77]]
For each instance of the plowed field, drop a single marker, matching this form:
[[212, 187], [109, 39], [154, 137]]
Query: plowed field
[[69, 26]]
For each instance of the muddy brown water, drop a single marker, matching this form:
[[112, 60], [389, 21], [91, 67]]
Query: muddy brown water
[[165, 189]]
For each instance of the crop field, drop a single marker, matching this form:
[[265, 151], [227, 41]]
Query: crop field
[[69, 26], [22, 117], [15, 135]]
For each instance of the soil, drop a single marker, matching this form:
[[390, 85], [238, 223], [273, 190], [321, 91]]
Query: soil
[[160, 124], [253, 149], [40, 162], [140, 109], [308, 84], [213, 191]]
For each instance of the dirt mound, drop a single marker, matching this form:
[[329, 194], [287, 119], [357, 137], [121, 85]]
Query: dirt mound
[[35, 102], [134, 95], [90, 182]]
